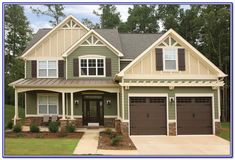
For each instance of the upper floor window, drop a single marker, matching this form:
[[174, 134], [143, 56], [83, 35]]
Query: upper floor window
[[47, 69], [170, 59], [92, 66]]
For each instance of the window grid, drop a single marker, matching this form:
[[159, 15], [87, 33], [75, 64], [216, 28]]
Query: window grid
[[92, 67], [49, 104], [170, 59], [50, 68]]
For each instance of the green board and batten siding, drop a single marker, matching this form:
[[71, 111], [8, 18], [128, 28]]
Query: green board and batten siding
[[171, 93], [93, 50]]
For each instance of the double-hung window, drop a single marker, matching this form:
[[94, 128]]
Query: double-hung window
[[48, 104], [47, 69], [93, 67], [170, 59]]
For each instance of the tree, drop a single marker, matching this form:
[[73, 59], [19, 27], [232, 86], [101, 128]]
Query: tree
[[55, 11], [89, 23], [142, 19], [17, 35], [170, 16], [109, 17]]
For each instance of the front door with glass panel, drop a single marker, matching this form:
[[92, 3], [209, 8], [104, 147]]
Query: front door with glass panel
[[92, 110]]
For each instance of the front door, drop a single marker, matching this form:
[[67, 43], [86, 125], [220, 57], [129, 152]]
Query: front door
[[93, 111]]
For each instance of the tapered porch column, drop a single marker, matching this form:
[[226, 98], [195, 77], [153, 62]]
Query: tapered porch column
[[16, 117], [118, 105], [63, 105], [71, 105]]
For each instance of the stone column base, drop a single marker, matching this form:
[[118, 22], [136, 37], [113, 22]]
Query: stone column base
[[118, 125], [63, 123], [172, 129], [217, 128], [124, 128], [18, 121]]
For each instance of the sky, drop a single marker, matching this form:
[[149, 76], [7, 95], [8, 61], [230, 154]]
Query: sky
[[79, 11]]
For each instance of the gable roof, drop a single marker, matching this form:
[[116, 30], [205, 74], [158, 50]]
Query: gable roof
[[220, 73], [43, 35], [74, 46]]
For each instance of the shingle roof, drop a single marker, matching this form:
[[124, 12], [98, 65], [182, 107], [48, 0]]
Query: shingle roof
[[131, 45]]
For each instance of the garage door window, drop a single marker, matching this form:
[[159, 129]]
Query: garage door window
[[138, 100]]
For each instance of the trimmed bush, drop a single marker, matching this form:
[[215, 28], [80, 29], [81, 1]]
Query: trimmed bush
[[9, 125], [70, 128], [34, 128], [53, 127], [115, 140], [17, 128], [108, 131]]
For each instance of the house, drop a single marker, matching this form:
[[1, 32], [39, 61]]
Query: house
[[141, 84]]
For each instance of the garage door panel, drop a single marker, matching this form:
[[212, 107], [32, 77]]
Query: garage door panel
[[194, 115], [148, 115]]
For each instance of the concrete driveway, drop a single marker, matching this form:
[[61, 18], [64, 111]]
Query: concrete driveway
[[181, 145]]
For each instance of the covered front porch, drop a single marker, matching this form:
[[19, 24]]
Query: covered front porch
[[85, 102]]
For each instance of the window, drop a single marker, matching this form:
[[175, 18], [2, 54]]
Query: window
[[170, 59], [47, 69], [92, 67], [47, 104]]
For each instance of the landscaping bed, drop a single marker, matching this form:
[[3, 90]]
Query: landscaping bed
[[76, 135], [124, 143]]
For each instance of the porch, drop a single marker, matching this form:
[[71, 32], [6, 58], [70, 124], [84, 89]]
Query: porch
[[85, 102]]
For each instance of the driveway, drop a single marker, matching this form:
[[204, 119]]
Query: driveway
[[181, 145]]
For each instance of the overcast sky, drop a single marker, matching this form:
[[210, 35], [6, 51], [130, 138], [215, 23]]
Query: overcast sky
[[79, 11]]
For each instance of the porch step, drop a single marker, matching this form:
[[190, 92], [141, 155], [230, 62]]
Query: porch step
[[93, 127]]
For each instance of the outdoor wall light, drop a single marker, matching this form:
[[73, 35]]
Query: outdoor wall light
[[76, 102], [108, 102], [172, 99]]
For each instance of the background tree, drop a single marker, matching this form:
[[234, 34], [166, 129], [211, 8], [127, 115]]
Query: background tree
[[142, 19], [88, 23], [17, 34], [109, 17], [55, 11]]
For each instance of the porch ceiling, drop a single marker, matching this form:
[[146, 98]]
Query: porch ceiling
[[63, 83]]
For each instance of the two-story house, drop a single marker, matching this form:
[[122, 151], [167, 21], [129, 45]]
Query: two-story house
[[141, 84]]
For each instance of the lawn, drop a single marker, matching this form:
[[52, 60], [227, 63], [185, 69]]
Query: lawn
[[10, 112], [34, 146], [225, 131]]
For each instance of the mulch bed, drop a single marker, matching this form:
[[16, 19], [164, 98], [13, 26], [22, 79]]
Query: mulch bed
[[124, 144], [44, 135]]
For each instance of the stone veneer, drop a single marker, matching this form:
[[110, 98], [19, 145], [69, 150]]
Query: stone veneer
[[217, 127], [124, 128], [172, 129]]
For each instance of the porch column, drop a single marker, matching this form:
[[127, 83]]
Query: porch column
[[63, 106], [71, 105], [16, 108], [118, 105]]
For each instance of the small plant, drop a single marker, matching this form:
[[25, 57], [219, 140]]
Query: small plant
[[19, 135], [108, 131], [70, 128], [34, 128], [9, 125], [53, 127], [17, 128], [115, 140], [39, 135]]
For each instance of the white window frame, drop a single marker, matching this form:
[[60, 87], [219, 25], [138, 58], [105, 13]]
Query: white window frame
[[48, 95], [38, 76], [176, 61], [96, 57]]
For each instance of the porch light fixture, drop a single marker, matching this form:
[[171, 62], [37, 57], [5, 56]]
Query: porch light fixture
[[172, 99], [76, 102], [108, 102]]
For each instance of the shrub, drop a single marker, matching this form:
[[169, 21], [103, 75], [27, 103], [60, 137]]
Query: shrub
[[9, 125], [70, 128], [19, 135], [53, 127], [17, 128], [108, 131], [115, 140], [34, 128]]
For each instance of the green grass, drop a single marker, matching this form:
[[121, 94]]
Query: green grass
[[225, 131], [34, 146], [10, 112]]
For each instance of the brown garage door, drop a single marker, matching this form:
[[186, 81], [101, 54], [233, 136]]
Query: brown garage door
[[194, 115], [148, 116]]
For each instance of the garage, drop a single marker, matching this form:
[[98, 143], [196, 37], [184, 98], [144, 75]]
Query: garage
[[148, 116], [194, 115]]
